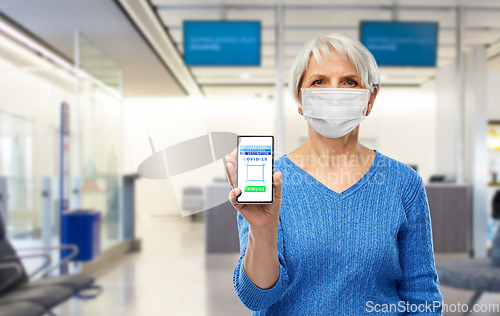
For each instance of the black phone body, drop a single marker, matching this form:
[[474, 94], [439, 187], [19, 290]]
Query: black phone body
[[255, 169]]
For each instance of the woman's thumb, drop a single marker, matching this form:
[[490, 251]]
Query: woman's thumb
[[278, 184]]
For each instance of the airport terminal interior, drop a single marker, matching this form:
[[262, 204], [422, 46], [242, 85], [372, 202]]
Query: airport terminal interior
[[104, 104]]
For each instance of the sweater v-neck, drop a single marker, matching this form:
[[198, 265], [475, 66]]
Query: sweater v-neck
[[320, 186]]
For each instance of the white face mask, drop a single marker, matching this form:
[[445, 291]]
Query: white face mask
[[334, 112]]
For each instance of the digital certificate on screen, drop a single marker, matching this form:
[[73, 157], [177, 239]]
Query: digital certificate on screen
[[255, 169]]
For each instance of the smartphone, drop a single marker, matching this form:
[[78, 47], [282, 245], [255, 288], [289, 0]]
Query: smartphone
[[255, 169]]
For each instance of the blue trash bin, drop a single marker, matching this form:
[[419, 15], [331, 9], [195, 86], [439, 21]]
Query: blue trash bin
[[83, 229]]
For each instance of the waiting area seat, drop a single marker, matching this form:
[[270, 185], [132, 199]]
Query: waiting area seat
[[21, 308], [46, 296], [475, 274], [22, 296], [75, 282]]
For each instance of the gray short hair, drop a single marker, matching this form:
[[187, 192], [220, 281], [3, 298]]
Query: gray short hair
[[348, 47]]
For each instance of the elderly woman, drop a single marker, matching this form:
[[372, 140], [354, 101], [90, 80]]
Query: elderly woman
[[349, 232]]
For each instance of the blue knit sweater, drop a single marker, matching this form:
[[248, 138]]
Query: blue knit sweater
[[365, 251]]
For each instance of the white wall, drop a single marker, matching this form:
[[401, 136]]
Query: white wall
[[446, 113], [446, 120], [493, 95]]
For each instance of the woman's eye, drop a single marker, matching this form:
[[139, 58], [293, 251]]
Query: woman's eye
[[351, 83], [319, 80]]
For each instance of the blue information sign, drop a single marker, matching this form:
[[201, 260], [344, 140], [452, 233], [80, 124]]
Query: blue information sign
[[222, 43], [401, 43]]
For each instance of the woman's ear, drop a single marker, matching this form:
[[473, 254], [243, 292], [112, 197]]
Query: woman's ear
[[372, 99], [374, 94], [300, 101]]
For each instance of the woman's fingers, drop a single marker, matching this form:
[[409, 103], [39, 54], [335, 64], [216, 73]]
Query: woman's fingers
[[233, 154], [231, 174], [232, 197], [228, 172], [231, 168], [231, 159]]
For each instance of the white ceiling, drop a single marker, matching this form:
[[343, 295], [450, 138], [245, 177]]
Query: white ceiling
[[305, 21], [145, 74], [104, 23]]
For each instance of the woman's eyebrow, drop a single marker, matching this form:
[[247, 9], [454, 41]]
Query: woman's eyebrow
[[317, 76], [348, 76], [353, 76]]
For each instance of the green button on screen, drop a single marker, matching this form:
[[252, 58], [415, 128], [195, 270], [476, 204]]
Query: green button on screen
[[255, 188]]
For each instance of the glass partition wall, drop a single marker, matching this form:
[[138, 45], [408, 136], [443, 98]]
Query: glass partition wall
[[32, 90], [98, 96]]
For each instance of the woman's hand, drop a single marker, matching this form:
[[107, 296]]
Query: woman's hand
[[257, 215]]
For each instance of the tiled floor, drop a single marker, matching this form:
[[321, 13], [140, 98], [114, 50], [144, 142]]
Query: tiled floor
[[170, 277]]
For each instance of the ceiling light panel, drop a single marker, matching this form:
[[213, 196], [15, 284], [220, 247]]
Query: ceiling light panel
[[429, 3], [175, 17], [483, 18], [302, 36], [330, 17], [233, 71], [445, 18], [481, 37], [447, 52], [266, 17]]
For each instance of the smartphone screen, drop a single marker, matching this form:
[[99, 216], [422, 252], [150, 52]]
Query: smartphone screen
[[255, 164]]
